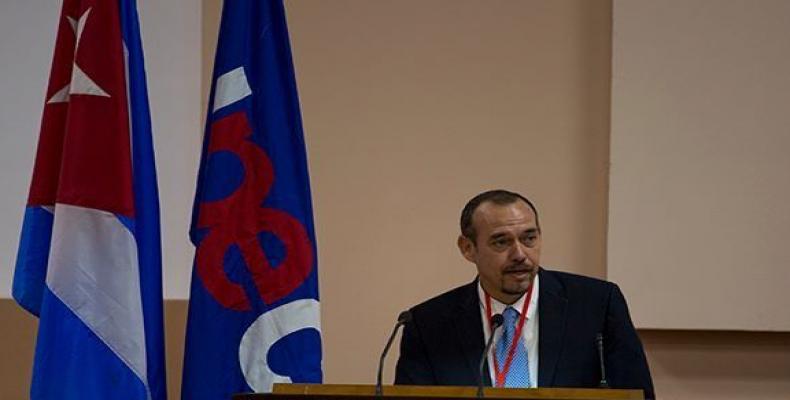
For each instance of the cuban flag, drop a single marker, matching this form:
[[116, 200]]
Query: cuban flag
[[89, 261], [254, 315]]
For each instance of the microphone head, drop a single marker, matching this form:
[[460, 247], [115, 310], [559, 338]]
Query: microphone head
[[497, 320], [404, 317]]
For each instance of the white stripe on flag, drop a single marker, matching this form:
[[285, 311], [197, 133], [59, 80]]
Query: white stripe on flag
[[269, 328], [93, 269], [231, 87]]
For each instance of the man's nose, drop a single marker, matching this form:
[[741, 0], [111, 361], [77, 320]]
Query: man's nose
[[518, 253]]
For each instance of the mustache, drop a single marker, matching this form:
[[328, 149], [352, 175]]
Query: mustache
[[521, 267]]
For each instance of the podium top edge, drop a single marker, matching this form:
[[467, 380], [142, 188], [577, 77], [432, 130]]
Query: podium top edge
[[398, 392]]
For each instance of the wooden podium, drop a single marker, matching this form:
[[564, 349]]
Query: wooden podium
[[368, 392]]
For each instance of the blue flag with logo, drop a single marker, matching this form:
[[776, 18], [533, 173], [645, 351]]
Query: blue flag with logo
[[89, 260], [254, 317]]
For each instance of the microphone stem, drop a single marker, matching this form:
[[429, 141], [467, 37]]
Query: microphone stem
[[379, 385], [496, 322], [482, 365]]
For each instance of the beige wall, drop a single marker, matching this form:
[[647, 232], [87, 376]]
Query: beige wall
[[411, 107], [699, 141], [720, 365]]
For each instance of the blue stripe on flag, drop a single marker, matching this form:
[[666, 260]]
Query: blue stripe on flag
[[83, 367], [31, 259], [146, 196]]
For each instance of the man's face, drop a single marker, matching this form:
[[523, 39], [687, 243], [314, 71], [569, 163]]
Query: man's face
[[507, 251]]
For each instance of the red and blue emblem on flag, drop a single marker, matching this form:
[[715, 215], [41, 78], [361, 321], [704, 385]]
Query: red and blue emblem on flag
[[254, 315], [89, 262]]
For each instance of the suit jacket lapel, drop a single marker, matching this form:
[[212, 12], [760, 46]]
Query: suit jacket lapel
[[469, 329], [551, 326]]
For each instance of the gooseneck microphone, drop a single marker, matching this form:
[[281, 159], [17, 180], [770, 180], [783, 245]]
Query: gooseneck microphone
[[403, 319], [599, 344], [496, 322]]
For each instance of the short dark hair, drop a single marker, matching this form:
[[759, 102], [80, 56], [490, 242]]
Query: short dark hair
[[499, 197]]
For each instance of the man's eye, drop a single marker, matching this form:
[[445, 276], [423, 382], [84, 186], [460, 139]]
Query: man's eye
[[529, 239], [500, 243]]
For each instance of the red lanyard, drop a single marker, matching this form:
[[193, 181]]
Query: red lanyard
[[500, 375]]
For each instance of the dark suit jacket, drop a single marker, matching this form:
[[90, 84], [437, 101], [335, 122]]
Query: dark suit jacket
[[443, 343]]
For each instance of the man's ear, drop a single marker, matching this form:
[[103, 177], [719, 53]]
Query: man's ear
[[467, 248]]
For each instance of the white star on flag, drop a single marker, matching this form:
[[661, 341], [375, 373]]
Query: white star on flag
[[80, 83]]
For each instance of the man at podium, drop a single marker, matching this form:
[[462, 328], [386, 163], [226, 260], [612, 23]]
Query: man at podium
[[554, 324]]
